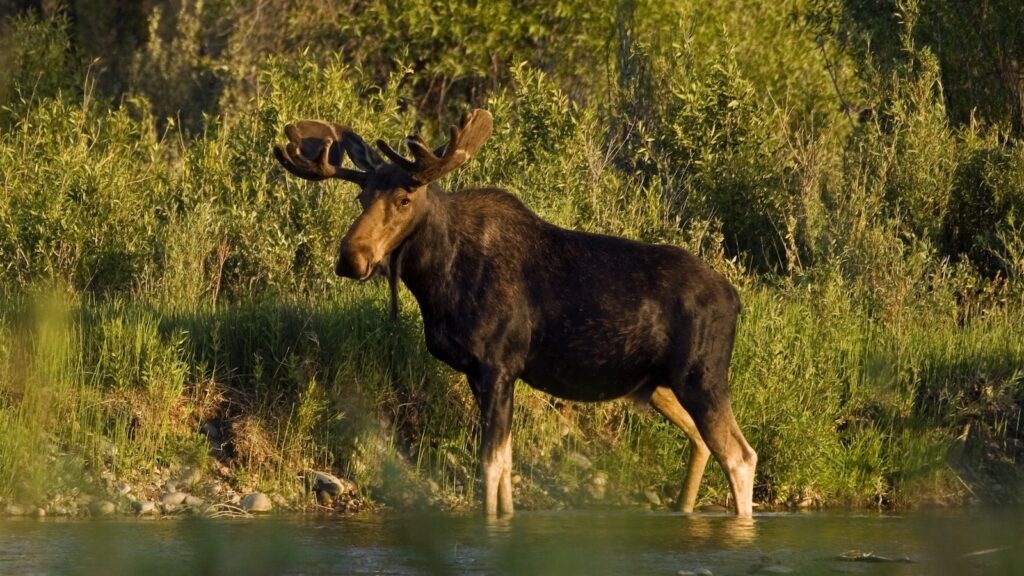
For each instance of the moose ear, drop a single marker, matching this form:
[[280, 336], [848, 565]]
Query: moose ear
[[363, 156]]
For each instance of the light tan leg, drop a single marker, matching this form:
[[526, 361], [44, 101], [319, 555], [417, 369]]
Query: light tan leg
[[505, 506], [497, 469], [664, 401], [722, 434]]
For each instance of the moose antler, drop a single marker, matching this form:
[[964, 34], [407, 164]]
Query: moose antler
[[427, 165], [314, 151]]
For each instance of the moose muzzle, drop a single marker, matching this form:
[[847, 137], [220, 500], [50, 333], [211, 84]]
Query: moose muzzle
[[355, 260]]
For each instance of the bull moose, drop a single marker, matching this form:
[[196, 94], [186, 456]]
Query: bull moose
[[507, 295]]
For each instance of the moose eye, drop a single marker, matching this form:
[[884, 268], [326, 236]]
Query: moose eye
[[404, 202]]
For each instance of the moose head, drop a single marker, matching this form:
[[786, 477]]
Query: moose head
[[393, 194]]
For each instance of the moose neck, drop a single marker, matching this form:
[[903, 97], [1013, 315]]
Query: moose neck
[[428, 254]]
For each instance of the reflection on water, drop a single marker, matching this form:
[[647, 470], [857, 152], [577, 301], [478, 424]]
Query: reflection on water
[[586, 542]]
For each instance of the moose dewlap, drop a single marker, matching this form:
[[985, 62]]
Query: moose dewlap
[[506, 295]]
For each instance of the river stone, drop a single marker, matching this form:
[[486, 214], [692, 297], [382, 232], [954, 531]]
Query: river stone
[[147, 509], [712, 508], [124, 488], [103, 508], [39, 512], [332, 485], [257, 502], [189, 477], [194, 501], [14, 510], [173, 498], [578, 459], [652, 497], [600, 479]]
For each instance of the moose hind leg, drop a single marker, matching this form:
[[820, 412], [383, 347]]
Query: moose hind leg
[[665, 402], [706, 397]]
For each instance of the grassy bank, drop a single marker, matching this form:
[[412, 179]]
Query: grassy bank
[[169, 303], [843, 408]]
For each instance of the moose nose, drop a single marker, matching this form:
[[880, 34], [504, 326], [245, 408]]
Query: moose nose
[[352, 263]]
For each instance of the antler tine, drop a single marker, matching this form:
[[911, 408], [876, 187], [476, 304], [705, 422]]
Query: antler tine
[[314, 151], [428, 165]]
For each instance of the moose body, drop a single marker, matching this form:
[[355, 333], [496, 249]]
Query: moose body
[[505, 295]]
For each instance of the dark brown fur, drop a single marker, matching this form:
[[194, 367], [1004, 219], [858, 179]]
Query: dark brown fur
[[506, 295]]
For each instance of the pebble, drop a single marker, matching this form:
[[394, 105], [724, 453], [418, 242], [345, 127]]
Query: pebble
[[435, 488], [173, 498], [103, 508], [578, 459], [257, 502]]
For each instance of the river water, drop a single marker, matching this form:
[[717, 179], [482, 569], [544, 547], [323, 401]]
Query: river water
[[532, 543]]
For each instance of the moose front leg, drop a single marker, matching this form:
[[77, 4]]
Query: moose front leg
[[494, 396]]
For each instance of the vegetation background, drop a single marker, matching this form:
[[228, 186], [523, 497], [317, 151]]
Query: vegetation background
[[855, 167]]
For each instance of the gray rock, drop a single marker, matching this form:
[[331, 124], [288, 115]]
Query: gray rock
[[39, 512], [147, 509], [194, 501], [170, 487], [14, 510], [124, 488], [173, 498], [652, 496], [279, 500], [103, 508], [332, 485], [578, 459], [257, 502], [189, 477]]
